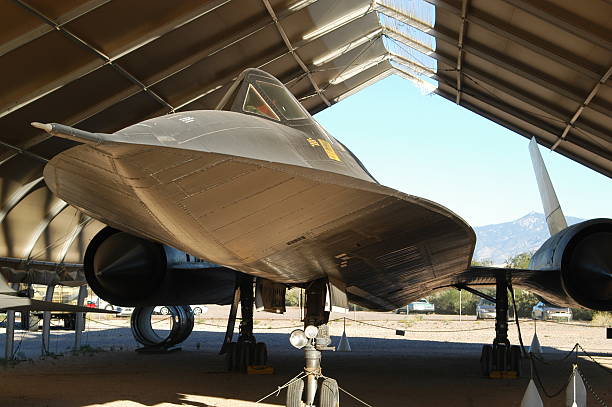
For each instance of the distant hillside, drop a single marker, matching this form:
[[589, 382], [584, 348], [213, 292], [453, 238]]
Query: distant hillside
[[501, 241]]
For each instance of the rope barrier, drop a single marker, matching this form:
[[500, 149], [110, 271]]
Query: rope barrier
[[587, 384], [421, 331], [279, 388]]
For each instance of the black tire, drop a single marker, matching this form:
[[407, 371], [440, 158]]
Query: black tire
[[515, 359], [486, 360], [197, 310], [329, 395], [109, 308], [247, 351], [261, 354], [230, 354], [294, 394], [164, 311]]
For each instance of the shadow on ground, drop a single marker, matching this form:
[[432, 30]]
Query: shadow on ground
[[383, 372]]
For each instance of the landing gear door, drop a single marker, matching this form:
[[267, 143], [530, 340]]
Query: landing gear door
[[336, 300]]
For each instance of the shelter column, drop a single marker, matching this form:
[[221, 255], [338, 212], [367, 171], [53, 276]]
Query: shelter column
[[47, 321], [80, 318]]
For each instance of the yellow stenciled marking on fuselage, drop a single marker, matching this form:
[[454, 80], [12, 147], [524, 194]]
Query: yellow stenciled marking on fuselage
[[312, 142], [329, 150]]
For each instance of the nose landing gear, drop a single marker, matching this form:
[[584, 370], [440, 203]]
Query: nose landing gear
[[303, 392], [313, 339]]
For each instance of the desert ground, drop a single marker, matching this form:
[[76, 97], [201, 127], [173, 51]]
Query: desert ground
[[436, 363]]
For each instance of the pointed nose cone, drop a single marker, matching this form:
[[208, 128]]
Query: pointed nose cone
[[125, 265]]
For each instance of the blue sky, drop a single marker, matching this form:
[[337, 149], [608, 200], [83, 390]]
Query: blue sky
[[427, 146]]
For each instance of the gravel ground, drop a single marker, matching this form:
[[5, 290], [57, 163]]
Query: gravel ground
[[435, 363]]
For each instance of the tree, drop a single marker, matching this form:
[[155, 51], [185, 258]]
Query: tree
[[519, 261]]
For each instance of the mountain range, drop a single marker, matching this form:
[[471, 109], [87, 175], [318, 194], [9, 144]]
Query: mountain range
[[499, 242]]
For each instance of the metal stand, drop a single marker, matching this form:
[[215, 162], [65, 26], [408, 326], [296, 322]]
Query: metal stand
[[80, 318], [46, 333], [501, 360], [10, 335]]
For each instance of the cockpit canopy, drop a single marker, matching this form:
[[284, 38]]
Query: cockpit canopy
[[259, 93]]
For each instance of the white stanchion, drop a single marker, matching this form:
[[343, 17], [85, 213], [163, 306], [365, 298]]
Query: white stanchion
[[575, 394], [535, 347], [532, 398], [343, 345]]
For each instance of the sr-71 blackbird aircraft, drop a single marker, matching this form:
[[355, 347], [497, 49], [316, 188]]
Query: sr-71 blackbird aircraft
[[204, 205]]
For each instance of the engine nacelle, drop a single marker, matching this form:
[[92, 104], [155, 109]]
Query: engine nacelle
[[128, 270], [583, 254]]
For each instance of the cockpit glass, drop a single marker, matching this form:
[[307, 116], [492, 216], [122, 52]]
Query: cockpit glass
[[254, 103], [283, 101]]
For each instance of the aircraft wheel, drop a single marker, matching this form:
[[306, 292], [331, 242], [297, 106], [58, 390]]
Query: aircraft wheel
[[486, 360], [330, 395], [164, 311], [261, 353], [245, 356], [294, 394], [230, 356], [515, 359]]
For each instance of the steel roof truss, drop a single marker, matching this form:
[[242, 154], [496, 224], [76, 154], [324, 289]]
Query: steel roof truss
[[293, 52]]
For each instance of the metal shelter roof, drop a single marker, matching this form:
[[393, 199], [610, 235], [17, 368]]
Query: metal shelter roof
[[100, 65]]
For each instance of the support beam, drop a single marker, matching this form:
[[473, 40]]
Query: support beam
[[579, 111], [62, 20], [42, 226], [552, 14], [529, 118], [293, 52], [80, 318], [46, 328], [497, 85], [462, 29], [10, 331], [597, 162], [495, 58], [76, 231], [18, 196], [523, 38], [475, 292], [107, 60]]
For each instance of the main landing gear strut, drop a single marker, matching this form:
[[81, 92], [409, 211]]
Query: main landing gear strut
[[501, 360], [246, 351], [313, 339]]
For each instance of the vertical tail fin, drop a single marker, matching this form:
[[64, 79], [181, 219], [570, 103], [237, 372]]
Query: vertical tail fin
[[552, 210]]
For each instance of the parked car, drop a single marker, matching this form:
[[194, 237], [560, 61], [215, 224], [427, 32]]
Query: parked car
[[121, 311], [548, 311], [485, 309], [197, 309], [422, 306]]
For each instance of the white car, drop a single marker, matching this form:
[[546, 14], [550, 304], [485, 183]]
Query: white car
[[197, 310], [548, 311]]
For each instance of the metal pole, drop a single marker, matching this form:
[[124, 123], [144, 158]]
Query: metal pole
[[47, 322], [313, 370], [460, 306], [10, 331], [79, 320], [10, 335]]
